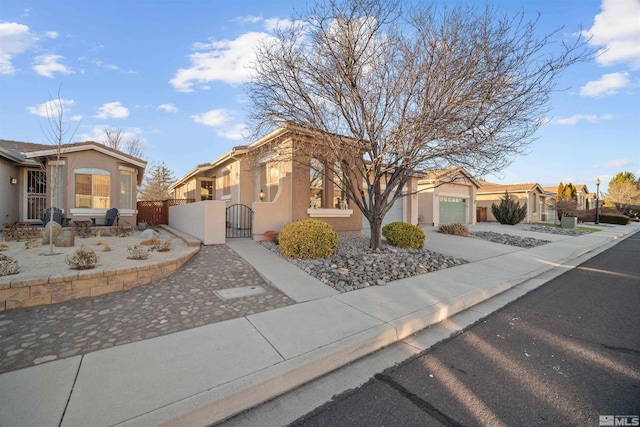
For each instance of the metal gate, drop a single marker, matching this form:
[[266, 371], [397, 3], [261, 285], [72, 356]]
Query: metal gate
[[239, 221]]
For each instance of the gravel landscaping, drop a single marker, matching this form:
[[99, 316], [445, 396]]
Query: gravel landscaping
[[354, 266]]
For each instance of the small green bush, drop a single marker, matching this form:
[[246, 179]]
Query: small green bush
[[508, 211], [308, 239], [403, 235], [614, 219], [456, 229]]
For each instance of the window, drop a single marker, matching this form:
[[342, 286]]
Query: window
[[316, 197], [206, 189], [226, 183], [535, 203], [126, 179], [92, 188], [338, 192], [269, 180]]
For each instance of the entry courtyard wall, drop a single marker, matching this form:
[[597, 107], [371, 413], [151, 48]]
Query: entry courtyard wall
[[205, 220]]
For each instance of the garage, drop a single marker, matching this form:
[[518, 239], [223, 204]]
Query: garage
[[452, 210], [396, 213]]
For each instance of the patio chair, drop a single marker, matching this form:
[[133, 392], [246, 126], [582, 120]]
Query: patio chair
[[57, 216], [111, 216]]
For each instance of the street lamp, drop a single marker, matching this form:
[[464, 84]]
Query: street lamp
[[597, 199]]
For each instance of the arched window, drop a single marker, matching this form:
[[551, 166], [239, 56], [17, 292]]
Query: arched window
[[92, 188]]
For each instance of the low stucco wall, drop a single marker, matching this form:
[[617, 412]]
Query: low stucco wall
[[203, 220]]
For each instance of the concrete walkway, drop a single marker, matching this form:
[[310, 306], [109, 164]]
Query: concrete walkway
[[206, 374]]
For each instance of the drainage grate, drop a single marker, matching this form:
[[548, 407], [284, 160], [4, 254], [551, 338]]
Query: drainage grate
[[245, 291]]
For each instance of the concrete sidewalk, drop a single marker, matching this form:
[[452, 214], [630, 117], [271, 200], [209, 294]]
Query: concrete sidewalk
[[204, 375]]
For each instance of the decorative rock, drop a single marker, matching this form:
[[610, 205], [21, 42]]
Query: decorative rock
[[149, 233], [65, 239], [355, 266], [57, 229]]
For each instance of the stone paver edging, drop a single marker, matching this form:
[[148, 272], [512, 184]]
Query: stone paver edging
[[88, 283]]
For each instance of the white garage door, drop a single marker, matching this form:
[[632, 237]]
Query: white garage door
[[396, 213], [452, 210]]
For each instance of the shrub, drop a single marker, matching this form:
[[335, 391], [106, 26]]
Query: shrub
[[164, 245], [82, 229], [138, 252], [21, 231], [509, 210], [614, 219], [404, 235], [456, 229], [123, 230], [83, 259], [308, 239], [3, 246], [8, 266]]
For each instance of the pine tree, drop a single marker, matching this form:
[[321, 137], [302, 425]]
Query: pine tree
[[157, 183], [509, 210]]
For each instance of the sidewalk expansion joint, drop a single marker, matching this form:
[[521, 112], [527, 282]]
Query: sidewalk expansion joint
[[73, 386]]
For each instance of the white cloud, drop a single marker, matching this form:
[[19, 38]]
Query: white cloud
[[616, 29], [236, 132], [590, 118], [212, 118], [219, 60], [273, 23], [247, 19], [169, 108], [46, 65], [97, 134], [618, 163], [52, 34], [76, 118], [50, 108], [14, 39], [112, 110], [607, 85]]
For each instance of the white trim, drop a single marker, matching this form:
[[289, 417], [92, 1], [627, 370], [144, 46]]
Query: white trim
[[64, 150], [329, 213], [126, 168], [56, 163]]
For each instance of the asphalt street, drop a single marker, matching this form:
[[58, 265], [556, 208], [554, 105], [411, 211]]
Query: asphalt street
[[564, 354]]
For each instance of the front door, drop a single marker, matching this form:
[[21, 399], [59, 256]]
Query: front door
[[36, 194]]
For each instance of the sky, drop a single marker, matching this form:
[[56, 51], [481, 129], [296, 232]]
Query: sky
[[173, 73]]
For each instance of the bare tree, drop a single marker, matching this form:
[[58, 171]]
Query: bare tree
[[413, 89], [56, 131], [116, 139]]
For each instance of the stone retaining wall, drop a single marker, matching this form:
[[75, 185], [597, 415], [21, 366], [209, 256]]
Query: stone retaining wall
[[86, 283]]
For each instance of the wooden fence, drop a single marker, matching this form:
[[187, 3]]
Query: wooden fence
[[157, 211]]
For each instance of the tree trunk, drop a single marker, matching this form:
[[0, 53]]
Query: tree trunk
[[376, 229]]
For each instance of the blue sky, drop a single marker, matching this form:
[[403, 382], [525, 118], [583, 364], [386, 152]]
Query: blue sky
[[171, 74]]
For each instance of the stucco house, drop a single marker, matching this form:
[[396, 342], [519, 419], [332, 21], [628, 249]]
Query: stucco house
[[86, 178], [539, 203], [447, 196], [263, 180]]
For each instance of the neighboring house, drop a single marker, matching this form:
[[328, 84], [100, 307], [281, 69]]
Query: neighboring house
[[582, 194], [447, 196], [584, 199], [278, 191], [539, 203], [89, 178]]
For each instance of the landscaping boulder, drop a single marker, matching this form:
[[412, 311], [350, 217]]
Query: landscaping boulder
[[57, 229], [66, 239]]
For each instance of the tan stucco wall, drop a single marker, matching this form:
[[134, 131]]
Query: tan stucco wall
[[9, 193], [525, 198], [429, 200], [203, 220]]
